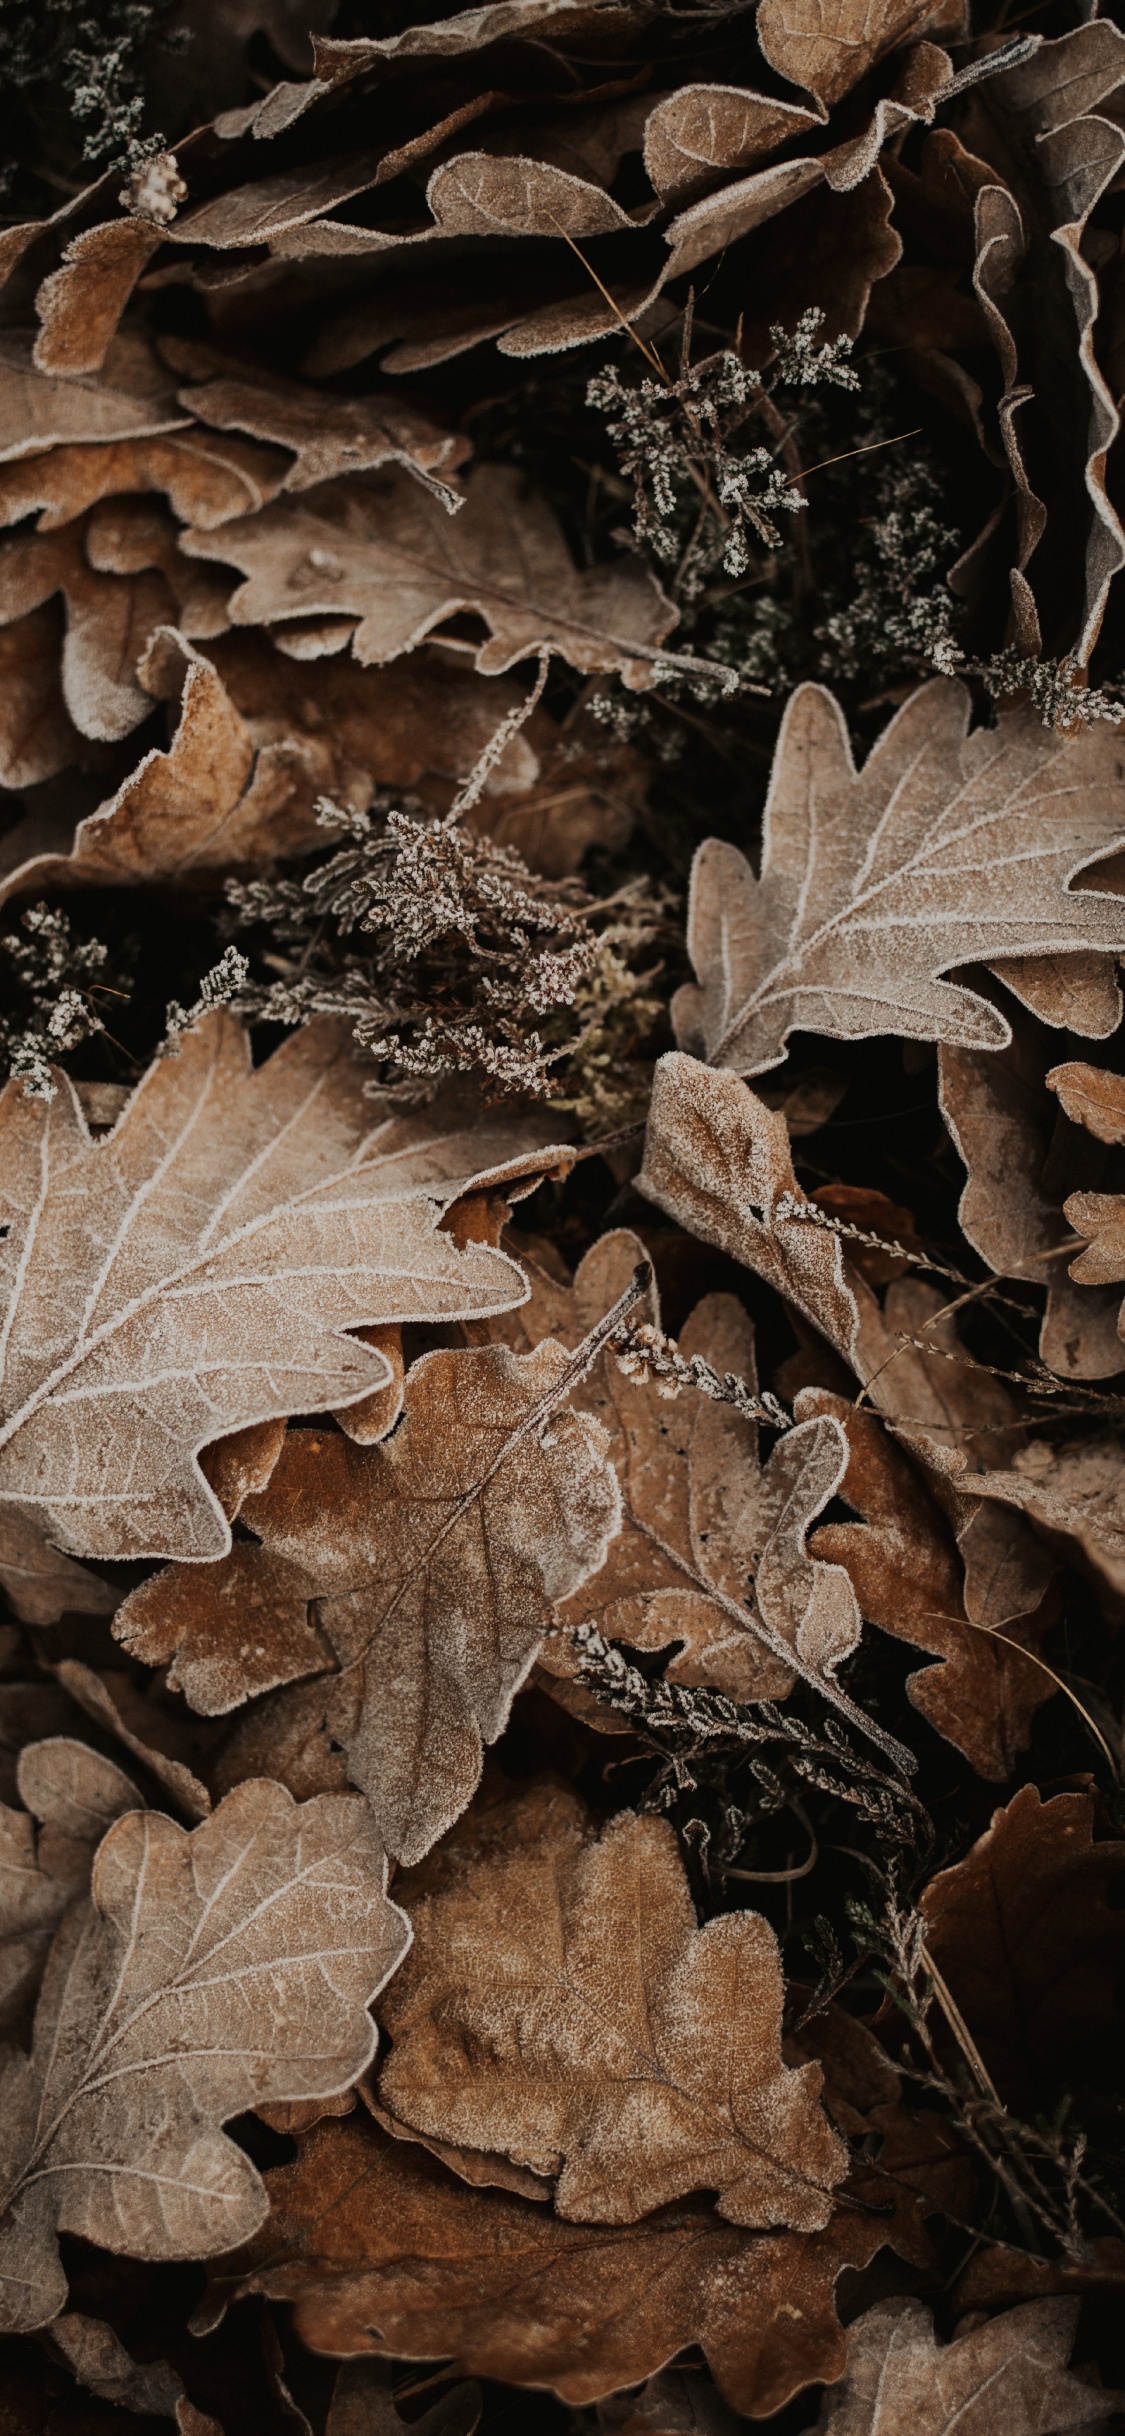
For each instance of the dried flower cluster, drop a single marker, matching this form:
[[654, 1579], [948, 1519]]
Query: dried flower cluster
[[562, 1218]]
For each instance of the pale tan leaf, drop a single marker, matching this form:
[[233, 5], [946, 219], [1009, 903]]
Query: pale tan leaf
[[210, 803], [827, 45], [154, 1735], [108, 623], [205, 480], [38, 737], [81, 304], [74, 1795], [328, 436], [433, 1560], [871, 882], [1079, 993], [132, 399], [711, 1552], [1091, 1097], [195, 1271], [208, 1970], [697, 132], [1006, 2378], [563, 2007], [384, 550], [1023, 1156], [481, 195]]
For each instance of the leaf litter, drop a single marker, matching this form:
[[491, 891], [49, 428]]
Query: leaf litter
[[562, 1219]]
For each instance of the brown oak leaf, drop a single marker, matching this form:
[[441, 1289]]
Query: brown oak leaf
[[382, 550], [382, 2250], [1027, 1935], [562, 2006], [426, 1566], [207, 1971], [908, 1578], [70, 1796], [1006, 2378]]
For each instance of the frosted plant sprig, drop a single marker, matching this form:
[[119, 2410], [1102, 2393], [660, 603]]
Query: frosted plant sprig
[[54, 972], [644, 1353]]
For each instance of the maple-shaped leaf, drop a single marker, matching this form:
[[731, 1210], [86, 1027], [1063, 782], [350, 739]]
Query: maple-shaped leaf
[[385, 552], [208, 1970], [70, 1796], [1008, 2377], [191, 1273], [711, 1551], [945, 849], [382, 2250], [426, 1566], [562, 2006]]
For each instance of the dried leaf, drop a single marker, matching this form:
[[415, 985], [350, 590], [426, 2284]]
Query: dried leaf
[[132, 399], [100, 2362], [907, 1575], [382, 2251], [697, 132], [1027, 1935], [205, 480], [207, 1971], [149, 1732], [74, 1795], [711, 1553], [1008, 2377], [209, 803], [1023, 1157], [329, 436], [108, 623], [385, 551], [563, 2008], [433, 1560], [223, 1194], [870, 888], [81, 304], [827, 48]]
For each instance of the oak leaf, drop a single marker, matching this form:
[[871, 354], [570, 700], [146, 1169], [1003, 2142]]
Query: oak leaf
[[908, 1578], [363, 2405], [70, 1796], [132, 399], [1027, 1934], [563, 2007], [193, 1272], [383, 2251], [383, 550], [827, 45], [1006, 2378], [209, 803], [426, 1566], [207, 1971], [1025, 1159], [711, 1552], [871, 882]]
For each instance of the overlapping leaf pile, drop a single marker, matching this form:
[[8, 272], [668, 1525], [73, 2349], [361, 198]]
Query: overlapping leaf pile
[[562, 1415]]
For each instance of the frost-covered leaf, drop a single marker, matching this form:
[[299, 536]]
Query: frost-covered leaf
[[386, 552], [207, 1971], [1006, 2378], [562, 2006], [945, 849], [426, 1566], [193, 1272]]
